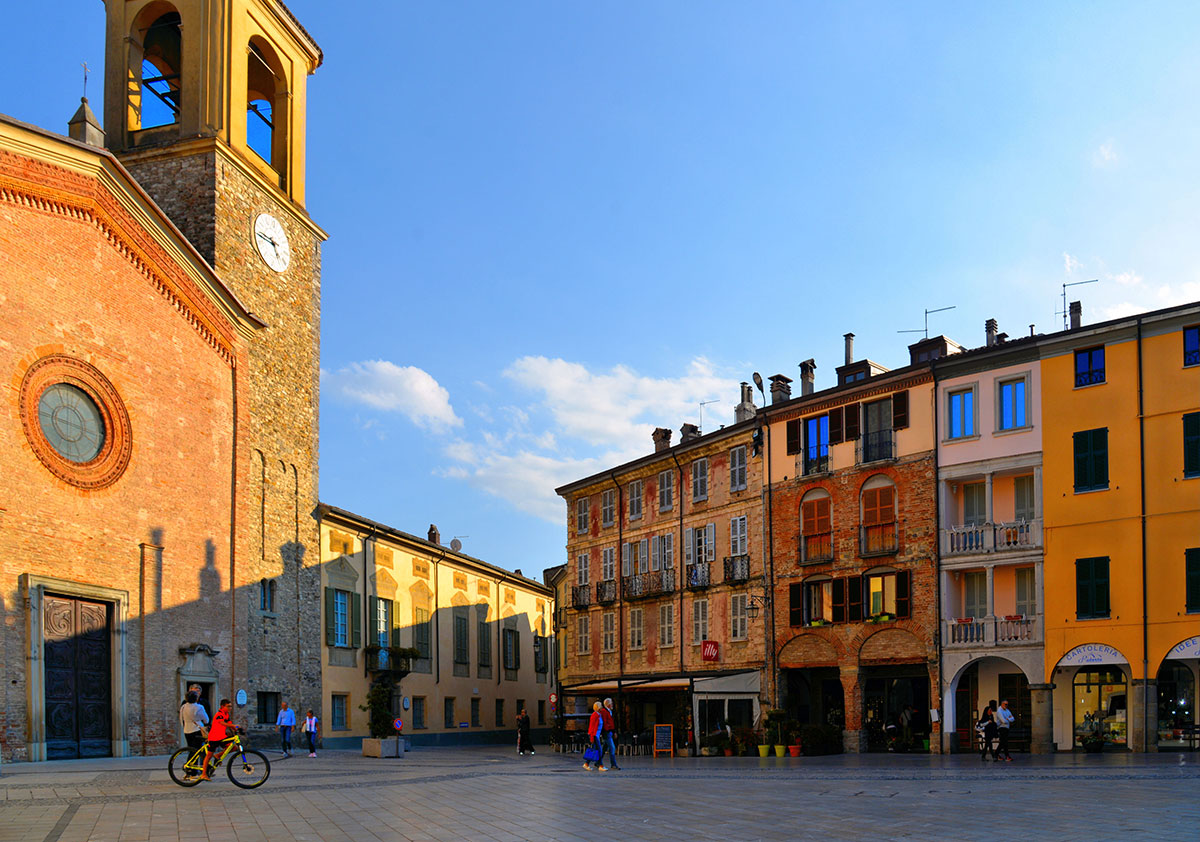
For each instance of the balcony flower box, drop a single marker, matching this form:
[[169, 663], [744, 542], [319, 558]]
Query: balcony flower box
[[1012, 618], [882, 618], [965, 621]]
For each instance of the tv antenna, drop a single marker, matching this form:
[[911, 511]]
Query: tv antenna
[[927, 312], [1064, 297], [456, 544], [702, 405]]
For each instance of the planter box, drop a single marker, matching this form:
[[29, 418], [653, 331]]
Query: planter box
[[381, 747]]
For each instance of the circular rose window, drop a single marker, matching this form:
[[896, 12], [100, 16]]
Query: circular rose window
[[75, 421]]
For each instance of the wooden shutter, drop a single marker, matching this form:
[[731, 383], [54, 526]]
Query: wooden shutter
[[793, 436], [851, 414], [816, 516], [356, 620], [854, 596], [655, 553], [808, 517], [710, 542], [626, 559], [839, 601], [879, 506], [330, 620], [372, 619], [900, 410], [835, 426], [643, 556], [689, 543], [796, 604], [666, 545], [903, 594]]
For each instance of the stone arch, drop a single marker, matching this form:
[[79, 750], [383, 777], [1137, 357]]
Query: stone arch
[[892, 645], [266, 104], [808, 650], [155, 68]]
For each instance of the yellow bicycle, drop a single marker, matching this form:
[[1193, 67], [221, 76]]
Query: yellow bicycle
[[247, 768]]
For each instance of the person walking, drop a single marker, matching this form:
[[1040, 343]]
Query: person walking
[[1004, 720], [986, 728], [311, 726], [595, 729], [524, 743], [194, 720], [286, 722], [607, 737]]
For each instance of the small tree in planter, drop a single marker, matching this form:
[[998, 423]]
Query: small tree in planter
[[387, 665]]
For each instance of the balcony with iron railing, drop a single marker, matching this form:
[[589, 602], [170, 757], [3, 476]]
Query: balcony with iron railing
[[991, 537], [698, 575], [396, 660], [581, 596], [878, 539], [606, 592], [737, 568], [816, 548], [813, 463], [878, 446], [648, 585], [988, 632]]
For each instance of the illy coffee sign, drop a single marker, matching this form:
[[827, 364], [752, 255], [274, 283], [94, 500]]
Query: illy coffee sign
[[710, 650]]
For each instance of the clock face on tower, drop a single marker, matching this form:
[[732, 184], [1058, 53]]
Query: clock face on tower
[[272, 242]]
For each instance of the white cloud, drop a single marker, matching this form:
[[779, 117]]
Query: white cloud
[[1139, 296], [386, 386], [1070, 264], [1105, 156]]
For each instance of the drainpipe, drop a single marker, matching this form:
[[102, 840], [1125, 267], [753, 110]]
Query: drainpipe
[[233, 528], [937, 555], [774, 691], [499, 658], [617, 580], [437, 636], [1145, 618], [682, 556]]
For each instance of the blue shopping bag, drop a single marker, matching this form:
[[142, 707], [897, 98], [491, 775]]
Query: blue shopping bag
[[591, 754]]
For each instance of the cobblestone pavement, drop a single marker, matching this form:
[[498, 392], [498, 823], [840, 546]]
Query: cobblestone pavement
[[492, 794]]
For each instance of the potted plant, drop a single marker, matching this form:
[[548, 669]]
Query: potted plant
[[776, 723], [764, 745], [744, 740], [818, 622], [383, 742], [1093, 742]]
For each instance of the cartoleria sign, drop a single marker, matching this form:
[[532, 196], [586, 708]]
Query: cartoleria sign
[[1090, 654]]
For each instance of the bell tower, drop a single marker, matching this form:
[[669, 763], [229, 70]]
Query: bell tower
[[205, 105]]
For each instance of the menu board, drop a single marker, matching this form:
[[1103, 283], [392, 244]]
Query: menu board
[[664, 741]]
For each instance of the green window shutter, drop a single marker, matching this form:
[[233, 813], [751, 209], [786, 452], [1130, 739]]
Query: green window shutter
[[356, 620], [1100, 458], [1100, 586], [372, 619], [1192, 577], [1083, 441], [1191, 444], [330, 630], [395, 629], [1083, 587]]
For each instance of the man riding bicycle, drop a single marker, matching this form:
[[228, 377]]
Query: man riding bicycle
[[219, 732]]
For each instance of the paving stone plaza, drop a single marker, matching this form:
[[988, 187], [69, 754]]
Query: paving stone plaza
[[488, 793]]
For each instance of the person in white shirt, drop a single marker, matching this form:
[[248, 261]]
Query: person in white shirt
[[286, 722], [311, 725], [1004, 720], [193, 718]]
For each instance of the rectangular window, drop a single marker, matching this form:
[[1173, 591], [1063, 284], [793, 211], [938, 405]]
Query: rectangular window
[[608, 507], [448, 712], [462, 637], [1024, 506], [662, 552], [974, 504], [337, 709], [666, 625], [739, 618], [268, 708], [1089, 366], [1191, 444], [499, 713], [1191, 565], [627, 559], [541, 647], [475, 716], [635, 628], [816, 445], [1011, 405], [886, 593], [699, 621], [738, 539], [383, 621], [737, 468], [1091, 459], [512, 649], [584, 635], [1191, 346], [608, 630], [816, 529], [421, 634], [961, 414], [485, 639], [341, 618], [975, 594], [581, 515], [1091, 588], [699, 480], [582, 571], [666, 488], [541, 711], [1026, 591], [418, 713], [817, 606], [636, 492], [608, 564]]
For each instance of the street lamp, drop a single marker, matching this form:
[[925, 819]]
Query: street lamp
[[755, 605]]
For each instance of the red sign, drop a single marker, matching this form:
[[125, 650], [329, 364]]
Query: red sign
[[710, 650]]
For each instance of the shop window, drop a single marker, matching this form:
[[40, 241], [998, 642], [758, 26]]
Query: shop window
[[1176, 703], [1091, 460], [1089, 366], [1100, 705], [1192, 579], [268, 708], [1191, 445], [1091, 588], [1191, 346]]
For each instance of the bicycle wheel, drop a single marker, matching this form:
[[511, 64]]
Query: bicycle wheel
[[178, 770], [248, 768]]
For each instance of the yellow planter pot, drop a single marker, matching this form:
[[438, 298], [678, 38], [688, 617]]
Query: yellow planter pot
[[763, 751], [780, 751]]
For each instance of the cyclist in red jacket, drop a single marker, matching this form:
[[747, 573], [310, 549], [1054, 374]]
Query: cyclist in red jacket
[[218, 732]]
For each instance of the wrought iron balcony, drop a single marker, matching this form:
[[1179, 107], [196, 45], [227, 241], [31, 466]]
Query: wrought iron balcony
[[391, 659], [880, 539], [581, 596], [737, 568], [875, 447], [698, 575], [606, 592], [647, 585], [815, 548], [814, 463]]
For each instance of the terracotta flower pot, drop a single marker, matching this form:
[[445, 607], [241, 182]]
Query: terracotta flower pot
[[794, 751]]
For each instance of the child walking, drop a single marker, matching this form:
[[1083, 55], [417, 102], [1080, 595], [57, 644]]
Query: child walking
[[311, 724]]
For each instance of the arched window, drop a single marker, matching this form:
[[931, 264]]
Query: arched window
[[816, 527], [878, 531], [159, 92], [266, 595], [266, 116]]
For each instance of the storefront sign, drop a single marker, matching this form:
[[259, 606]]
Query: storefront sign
[[1090, 654], [663, 740], [1190, 648], [710, 650]]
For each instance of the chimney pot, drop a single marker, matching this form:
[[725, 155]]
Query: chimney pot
[[662, 439], [744, 411], [688, 432], [435, 537], [989, 328], [808, 373], [781, 388], [1076, 310], [849, 337]]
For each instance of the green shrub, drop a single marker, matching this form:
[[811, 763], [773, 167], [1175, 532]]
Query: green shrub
[[821, 739]]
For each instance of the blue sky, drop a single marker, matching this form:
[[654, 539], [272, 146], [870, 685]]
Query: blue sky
[[555, 226]]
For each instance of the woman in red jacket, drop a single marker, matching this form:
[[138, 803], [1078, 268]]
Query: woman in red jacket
[[595, 729]]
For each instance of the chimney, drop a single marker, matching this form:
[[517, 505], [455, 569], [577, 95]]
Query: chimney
[[808, 373], [849, 348], [662, 439], [435, 537], [84, 126], [744, 411], [990, 328], [1076, 310], [781, 389], [688, 432]]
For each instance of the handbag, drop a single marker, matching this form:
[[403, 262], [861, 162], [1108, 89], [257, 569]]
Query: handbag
[[591, 754]]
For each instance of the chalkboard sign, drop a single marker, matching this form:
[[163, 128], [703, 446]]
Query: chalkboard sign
[[664, 741]]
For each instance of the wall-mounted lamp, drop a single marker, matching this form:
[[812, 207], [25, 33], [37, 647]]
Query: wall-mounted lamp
[[756, 604]]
